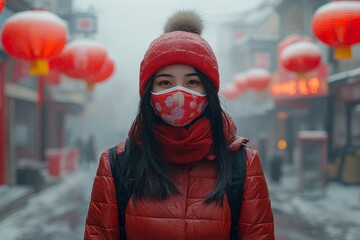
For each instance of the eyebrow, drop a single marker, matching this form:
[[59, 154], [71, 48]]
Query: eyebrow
[[169, 75]]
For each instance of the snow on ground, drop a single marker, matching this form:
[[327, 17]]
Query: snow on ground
[[338, 209], [50, 202]]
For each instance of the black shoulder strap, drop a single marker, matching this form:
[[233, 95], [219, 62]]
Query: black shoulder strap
[[124, 184], [235, 189]]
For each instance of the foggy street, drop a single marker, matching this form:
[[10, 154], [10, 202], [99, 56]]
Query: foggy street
[[59, 213], [187, 85]]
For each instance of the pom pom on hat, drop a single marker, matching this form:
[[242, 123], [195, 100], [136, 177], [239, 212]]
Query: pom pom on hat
[[187, 21], [180, 44]]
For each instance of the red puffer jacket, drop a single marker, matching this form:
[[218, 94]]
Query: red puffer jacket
[[183, 216]]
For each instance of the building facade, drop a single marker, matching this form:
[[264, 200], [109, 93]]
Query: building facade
[[276, 119], [30, 126]]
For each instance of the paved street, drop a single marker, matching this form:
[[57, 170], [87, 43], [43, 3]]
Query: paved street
[[59, 213]]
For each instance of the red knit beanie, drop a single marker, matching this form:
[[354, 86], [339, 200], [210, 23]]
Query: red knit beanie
[[181, 44]]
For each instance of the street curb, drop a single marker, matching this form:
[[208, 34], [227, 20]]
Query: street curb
[[9, 208], [12, 206]]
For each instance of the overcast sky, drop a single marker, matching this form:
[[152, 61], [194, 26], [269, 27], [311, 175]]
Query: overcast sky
[[127, 28]]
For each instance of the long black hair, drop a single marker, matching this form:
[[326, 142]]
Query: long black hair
[[147, 165]]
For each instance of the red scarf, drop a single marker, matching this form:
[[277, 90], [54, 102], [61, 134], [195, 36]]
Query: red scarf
[[185, 145]]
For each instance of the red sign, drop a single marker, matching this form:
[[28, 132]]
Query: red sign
[[289, 85], [85, 23]]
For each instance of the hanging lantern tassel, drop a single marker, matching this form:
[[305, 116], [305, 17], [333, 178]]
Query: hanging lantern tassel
[[90, 87], [39, 67], [342, 53], [302, 75], [2, 5]]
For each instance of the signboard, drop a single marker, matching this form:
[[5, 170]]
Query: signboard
[[85, 23], [289, 85], [262, 59]]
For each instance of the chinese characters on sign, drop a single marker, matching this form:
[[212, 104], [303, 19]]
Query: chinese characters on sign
[[294, 87], [290, 85]]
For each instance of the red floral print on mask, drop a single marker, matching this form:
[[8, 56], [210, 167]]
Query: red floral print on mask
[[178, 106]]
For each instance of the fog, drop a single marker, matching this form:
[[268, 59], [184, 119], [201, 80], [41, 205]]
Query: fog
[[305, 125]]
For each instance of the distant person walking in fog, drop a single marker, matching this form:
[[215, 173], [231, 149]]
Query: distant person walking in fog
[[80, 144], [90, 150], [177, 165]]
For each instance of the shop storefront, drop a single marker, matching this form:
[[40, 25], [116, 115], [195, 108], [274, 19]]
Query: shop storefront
[[300, 105], [23, 116], [345, 128]]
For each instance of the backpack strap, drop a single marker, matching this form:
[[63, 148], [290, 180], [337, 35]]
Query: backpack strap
[[235, 190], [124, 185]]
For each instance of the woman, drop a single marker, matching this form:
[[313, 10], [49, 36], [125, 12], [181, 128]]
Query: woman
[[181, 148]]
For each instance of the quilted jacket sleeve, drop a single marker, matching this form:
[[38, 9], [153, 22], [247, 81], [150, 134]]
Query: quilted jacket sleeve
[[256, 218], [102, 218]]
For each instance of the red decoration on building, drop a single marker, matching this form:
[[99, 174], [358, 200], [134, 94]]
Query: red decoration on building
[[258, 78], [240, 81], [230, 92], [83, 58], [337, 24], [56, 63], [293, 38], [34, 35], [103, 74], [2, 5], [288, 85], [287, 41], [300, 57]]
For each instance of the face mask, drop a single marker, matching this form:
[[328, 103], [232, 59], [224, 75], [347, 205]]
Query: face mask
[[178, 106]]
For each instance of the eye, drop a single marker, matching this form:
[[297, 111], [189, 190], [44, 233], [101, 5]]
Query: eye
[[194, 82], [164, 83]]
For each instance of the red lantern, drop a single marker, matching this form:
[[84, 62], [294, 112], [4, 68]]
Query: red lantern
[[258, 78], [36, 36], [290, 40], [2, 4], [230, 92], [337, 24], [287, 41], [104, 73], [56, 63], [83, 58], [240, 82], [301, 56]]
